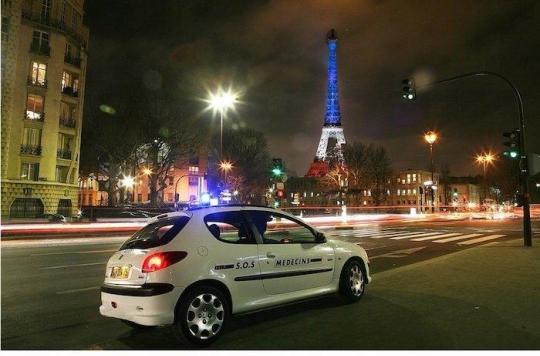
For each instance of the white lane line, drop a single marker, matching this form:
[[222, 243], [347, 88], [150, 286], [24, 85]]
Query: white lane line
[[72, 252], [79, 265], [481, 239], [416, 235], [393, 234], [457, 238], [437, 236], [69, 291], [356, 232]]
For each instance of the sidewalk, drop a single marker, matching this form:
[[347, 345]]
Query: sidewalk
[[487, 297]]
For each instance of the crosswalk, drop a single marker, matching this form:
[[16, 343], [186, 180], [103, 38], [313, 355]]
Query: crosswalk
[[436, 236]]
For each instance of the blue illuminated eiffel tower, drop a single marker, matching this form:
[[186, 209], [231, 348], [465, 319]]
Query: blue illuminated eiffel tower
[[330, 147]]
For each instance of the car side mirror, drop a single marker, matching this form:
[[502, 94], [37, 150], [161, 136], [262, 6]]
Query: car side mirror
[[319, 237]]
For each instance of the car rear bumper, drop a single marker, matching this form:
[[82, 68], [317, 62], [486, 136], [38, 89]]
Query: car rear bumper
[[149, 304]]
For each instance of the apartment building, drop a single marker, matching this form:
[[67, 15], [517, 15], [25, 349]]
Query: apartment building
[[44, 51]]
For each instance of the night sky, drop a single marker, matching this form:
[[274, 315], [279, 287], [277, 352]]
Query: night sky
[[275, 53]]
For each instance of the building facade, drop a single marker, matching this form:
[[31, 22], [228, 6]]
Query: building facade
[[44, 46], [408, 188], [460, 192]]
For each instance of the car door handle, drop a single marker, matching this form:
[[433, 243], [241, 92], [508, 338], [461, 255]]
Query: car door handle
[[270, 255]]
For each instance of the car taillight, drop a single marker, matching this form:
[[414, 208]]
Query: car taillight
[[161, 260]]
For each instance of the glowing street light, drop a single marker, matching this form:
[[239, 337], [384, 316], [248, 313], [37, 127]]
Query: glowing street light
[[127, 181], [431, 137], [485, 159], [147, 171], [221, 101], [226, 166]]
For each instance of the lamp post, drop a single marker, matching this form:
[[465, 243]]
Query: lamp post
[[221, 101], [226, 166], [430, 138], [127, 182], [485, 159]]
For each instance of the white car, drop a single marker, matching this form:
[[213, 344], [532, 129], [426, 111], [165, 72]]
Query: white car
[[194, 269]]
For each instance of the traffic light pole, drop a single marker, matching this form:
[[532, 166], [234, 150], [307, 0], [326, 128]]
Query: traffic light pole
[[523, 164]]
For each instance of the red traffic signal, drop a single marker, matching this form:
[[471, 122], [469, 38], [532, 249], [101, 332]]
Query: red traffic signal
[[280, 193]]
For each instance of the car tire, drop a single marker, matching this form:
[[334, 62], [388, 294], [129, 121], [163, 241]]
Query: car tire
[[201, 316], [135, 325], [352, 282]]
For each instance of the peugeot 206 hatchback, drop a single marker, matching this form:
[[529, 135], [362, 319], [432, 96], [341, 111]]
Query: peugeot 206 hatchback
[[194, 269]]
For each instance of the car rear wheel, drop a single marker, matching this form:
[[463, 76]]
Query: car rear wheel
[[202, 315], [352, 281]]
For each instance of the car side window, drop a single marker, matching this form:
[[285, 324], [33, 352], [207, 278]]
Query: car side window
[[279, 229], [229, 226]]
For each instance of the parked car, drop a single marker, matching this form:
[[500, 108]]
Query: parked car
[[194, 269]]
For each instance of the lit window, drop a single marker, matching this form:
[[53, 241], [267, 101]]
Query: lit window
[[39, 70], [408, 178], [34, 107], [369, 193], [414, 191], [398, 192], [193, 169], [414, 177], [408, 192]]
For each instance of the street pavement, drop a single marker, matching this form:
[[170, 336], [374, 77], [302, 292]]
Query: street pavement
[[449, 285]]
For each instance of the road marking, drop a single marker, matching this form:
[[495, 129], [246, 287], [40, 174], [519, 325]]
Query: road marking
[[417, 235], [69, 291], [481, 239], [436, 236], [79, 265], [72, 252], [393, 234], [457, 238], [399, 253]]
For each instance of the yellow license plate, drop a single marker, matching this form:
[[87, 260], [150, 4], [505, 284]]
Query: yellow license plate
[[120, 272]]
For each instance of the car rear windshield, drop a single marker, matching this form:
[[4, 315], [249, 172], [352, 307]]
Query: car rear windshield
[[156, 234]]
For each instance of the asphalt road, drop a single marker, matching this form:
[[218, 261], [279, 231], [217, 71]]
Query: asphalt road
[[50, 291]]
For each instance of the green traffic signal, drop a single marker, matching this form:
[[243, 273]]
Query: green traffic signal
[[276, 171]]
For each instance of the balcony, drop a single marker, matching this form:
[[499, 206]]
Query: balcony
[[67, 122], [31, 150], [58, 25], [34, 116], [74, 61], [70, 92], [36, 83], [40, 48], [63, 153]]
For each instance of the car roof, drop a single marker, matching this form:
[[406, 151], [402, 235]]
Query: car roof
[[203, 211]]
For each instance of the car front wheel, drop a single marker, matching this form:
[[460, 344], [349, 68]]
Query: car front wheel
[[352, 281], [202, 315]]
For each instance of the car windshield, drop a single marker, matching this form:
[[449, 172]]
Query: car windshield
[[156, 234]]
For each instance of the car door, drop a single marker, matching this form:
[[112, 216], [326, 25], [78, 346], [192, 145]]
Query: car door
[[289, 257]]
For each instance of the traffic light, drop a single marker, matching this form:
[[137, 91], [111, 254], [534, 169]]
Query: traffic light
[[280, 193], [277, 167], [409, 89], [513, 143]]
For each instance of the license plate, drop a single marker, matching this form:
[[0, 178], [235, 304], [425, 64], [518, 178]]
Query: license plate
[[120, 272]]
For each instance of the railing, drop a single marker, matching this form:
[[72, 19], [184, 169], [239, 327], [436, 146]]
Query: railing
[[40, 116], [36, 83], [69, 91], [31, 150], [40, 48], [56, 24], [67, 122], [76, 61], [64, 154]]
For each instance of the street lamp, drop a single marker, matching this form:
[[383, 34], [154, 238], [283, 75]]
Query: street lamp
[[127, 182], [226, 166], [485, 159], [431, 137], [221, 101]]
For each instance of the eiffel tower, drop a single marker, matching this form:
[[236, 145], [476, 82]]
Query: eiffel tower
[[330, 149]]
